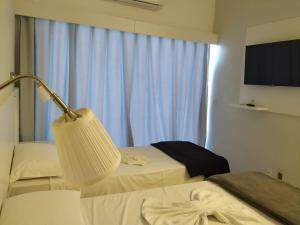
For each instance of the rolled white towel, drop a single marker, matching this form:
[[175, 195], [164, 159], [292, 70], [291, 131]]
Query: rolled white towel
[[132, 157], [203, 204]]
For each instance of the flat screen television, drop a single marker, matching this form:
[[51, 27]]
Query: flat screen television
[[275, 64]]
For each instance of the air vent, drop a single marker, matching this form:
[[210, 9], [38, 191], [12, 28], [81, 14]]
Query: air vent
[[146, 4]]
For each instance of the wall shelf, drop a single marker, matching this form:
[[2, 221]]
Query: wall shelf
[[254, 108], [260, 108]]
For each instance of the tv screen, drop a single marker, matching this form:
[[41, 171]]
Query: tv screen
[[275, 64]]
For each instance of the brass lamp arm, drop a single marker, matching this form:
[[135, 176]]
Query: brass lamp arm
[[69, 113]]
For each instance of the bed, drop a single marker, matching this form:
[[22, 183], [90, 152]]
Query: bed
[[127, 206], [133, 208], [160, 170]]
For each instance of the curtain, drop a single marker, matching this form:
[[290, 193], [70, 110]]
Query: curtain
[[24, 64], [52, 66], [144, 89]]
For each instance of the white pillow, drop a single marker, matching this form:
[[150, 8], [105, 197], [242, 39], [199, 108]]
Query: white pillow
[[34, 160], [43, 208]]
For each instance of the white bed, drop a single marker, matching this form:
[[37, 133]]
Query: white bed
[[66, 207], [126, 207], [159, 171]]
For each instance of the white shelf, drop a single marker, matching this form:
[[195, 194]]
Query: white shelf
[[254, 108], [260, 108]]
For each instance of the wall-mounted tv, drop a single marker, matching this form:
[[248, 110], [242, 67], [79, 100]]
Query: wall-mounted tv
[[276, 64]]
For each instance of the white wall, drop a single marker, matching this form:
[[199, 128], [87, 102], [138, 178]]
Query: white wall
[[7, 23], [278, 99], [8, 99], [9, 120], [250, 140], [186, 19]]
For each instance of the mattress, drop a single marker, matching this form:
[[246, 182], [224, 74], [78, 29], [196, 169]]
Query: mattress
[[126, 207], [160, 171]]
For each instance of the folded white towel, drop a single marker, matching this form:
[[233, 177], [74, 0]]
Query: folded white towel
[[203, 204], [132, 157]]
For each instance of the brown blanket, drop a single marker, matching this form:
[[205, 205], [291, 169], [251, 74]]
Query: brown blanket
[[273, 197]]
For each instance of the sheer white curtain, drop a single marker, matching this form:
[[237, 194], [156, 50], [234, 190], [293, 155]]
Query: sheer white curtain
[[144, 89], [52, 65]]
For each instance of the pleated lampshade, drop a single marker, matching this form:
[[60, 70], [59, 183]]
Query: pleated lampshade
[[85, 150]]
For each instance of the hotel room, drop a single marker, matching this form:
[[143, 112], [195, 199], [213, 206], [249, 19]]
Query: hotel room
[[151, 112]]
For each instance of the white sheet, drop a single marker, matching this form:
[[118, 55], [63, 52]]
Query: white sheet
[[43, 208], [160, 171], [26, 186], [6, 155], [125, 208]]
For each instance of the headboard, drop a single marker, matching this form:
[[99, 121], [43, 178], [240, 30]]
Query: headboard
[[9, 118], [9, 134]]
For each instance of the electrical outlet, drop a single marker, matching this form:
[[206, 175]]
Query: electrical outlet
[[279, 175]]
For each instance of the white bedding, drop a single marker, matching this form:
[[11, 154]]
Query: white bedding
[[6, 155], [125, 208], [34, 160], [159, 171], [43, 208]]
